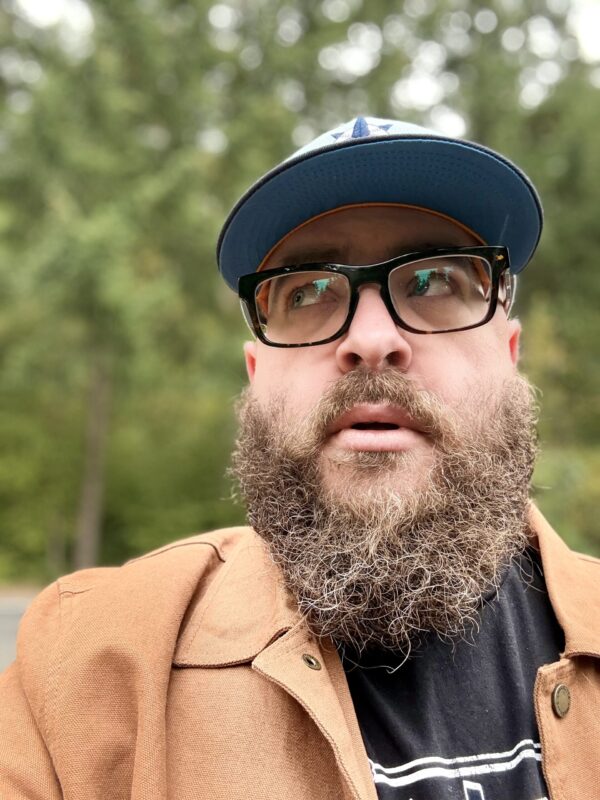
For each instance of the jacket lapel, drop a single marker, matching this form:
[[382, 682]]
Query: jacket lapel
[[323, 692], [572, 582], [244, 608]]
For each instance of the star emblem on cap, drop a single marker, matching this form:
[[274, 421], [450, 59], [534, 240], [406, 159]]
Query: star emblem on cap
[[361, 129]]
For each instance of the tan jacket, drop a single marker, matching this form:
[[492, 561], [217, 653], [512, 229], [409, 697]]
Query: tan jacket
[[183, 675]]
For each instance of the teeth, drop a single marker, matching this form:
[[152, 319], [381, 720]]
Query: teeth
[[376, 426]]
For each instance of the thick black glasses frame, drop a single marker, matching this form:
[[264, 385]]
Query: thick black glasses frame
[[357, 276]]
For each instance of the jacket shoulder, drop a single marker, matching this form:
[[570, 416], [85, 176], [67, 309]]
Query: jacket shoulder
[[131, 610], [204, 550], [588, 567], [593, 561]]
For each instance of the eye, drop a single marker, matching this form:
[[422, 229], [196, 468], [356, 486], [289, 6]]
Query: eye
[[431, 282], [299, 297], [309, 294]]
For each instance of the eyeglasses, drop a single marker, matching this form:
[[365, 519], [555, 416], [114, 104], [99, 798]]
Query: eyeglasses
[[433, 291]]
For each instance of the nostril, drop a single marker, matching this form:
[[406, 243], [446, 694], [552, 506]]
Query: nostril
[[396, 359]]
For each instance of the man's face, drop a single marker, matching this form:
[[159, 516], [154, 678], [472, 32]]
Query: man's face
[[461, 369], [385, 533]]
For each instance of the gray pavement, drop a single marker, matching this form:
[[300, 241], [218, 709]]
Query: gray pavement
[[12, 607]]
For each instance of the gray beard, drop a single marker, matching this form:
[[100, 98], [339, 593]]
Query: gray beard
[[371, 565]]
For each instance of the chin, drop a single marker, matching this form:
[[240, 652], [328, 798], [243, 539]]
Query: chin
[[374, 472]]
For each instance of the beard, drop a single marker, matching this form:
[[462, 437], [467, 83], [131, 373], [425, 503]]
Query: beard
[[372, 561]]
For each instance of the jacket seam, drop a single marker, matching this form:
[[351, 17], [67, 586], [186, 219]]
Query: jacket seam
[[560, 671], [54, 670], [293, 644], [577, 653], [175, 546], [237, 662], [71, 590], [545, 739], [589, 559]]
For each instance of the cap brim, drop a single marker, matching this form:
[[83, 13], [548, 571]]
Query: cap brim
[[462, 180]]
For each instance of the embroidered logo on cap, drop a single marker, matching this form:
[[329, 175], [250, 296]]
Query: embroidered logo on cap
[[361, 130]]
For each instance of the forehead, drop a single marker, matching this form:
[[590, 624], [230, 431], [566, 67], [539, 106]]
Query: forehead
[[366, 234]]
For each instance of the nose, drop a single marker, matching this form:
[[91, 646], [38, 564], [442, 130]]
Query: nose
[[373, 339]]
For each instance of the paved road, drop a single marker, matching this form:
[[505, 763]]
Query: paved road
[[12, 607]]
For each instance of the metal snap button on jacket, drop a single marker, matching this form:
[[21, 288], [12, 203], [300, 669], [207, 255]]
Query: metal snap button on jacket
[[311, 661], [561, 700]]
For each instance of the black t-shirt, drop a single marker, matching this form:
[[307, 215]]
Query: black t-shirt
[[458, 721]]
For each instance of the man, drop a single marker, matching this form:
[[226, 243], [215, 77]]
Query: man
[[401, 622]]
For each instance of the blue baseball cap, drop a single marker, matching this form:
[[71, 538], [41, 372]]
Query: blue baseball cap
[[370, 160]]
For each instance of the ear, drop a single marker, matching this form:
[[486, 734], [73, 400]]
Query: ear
[[514, 336], [250, 358]]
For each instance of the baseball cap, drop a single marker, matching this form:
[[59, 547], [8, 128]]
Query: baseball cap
[[372, 160]]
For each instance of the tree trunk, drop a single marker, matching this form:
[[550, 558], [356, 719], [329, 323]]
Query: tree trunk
[[89, 518], [56, 547]]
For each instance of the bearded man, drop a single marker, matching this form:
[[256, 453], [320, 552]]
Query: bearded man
[[400, 621]]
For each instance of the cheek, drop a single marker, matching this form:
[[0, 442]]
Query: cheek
[[299, 375], [457, 367]]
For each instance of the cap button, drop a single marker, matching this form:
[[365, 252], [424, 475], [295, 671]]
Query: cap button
[[561, 700], [311, 661]]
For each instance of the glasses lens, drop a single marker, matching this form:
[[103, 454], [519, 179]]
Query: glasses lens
[[302, 307], [442, 293]]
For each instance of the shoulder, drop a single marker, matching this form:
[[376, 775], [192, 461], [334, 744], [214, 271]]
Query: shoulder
[[590, 562], [200, 553], [197, 556], [588, 574], [133, 610], [188, 560]]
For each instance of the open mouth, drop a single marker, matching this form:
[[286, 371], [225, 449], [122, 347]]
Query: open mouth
[[375, 426], [373, 417]]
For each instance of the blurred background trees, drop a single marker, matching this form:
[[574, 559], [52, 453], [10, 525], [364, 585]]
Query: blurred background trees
[[127, 131]]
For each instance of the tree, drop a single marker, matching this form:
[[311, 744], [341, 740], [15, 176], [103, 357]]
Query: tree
[[124, 147]]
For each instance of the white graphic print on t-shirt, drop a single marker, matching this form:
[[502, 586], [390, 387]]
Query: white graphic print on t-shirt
[[471, 772]]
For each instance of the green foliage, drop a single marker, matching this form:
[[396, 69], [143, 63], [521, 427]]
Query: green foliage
[[567, 491], [124, 148]]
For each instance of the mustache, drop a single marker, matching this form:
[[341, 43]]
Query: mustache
[[387, 386]]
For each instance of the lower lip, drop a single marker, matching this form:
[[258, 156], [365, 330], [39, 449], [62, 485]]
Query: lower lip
[[397, 439]]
